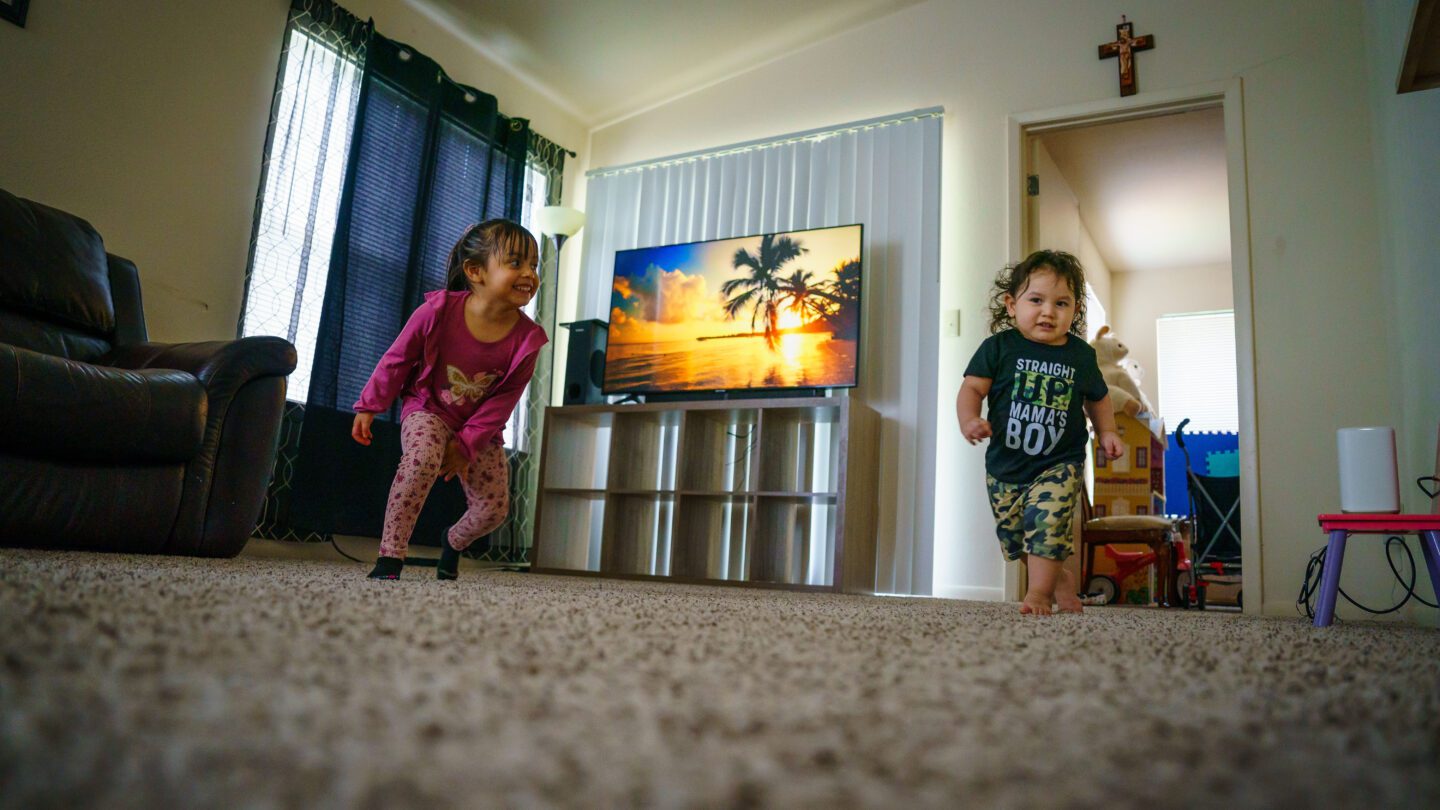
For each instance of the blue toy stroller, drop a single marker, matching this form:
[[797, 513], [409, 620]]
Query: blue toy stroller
[[1214, 521]]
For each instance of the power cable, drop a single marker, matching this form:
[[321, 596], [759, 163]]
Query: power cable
[[1315, 568]]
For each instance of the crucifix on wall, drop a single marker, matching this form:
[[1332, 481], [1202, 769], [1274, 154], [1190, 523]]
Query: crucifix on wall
[[1124, 47]]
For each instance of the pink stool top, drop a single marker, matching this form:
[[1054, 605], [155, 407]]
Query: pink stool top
[[1373, 523]]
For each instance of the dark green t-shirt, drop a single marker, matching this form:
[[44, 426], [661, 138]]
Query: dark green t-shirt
[[1036, 419]]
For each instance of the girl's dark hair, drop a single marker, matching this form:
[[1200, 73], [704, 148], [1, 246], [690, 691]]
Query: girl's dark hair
[[1016, 277], [480, 242]]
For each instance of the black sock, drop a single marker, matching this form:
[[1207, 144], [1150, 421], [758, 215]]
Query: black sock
[[449, 565], [387, 568]]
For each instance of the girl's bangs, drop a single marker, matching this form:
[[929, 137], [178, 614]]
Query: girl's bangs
[[511, 238]]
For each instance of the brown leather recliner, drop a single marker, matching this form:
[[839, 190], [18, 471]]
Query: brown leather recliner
[[108, 442]]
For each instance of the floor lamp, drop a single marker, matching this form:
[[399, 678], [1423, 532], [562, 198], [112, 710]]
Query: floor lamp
[[560, 222]]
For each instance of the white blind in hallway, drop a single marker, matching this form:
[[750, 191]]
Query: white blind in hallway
[[1196, 355]]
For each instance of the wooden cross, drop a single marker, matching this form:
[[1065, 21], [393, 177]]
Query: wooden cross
[[1125, 44]]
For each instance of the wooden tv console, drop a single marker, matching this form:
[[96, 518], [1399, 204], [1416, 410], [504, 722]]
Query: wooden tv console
[[769, 492]]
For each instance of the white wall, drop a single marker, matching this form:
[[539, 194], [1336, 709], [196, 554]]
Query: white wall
[[1059, 226], [1142, 297], [148, 119], [1407, 162], [1311, 185]]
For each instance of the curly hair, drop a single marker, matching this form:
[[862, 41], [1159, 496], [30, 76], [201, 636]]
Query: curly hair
[[1013, 280], [480, 242]]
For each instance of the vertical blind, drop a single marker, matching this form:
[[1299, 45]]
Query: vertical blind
[[883, 173]]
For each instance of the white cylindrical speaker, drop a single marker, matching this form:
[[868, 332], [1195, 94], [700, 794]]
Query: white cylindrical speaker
[[1368, 480]]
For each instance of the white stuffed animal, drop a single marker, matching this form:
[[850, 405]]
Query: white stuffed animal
[[1125, 393]]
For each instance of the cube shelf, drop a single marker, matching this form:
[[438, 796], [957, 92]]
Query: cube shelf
[[772, 493], [575, 521], [583, 441], [710, 537]]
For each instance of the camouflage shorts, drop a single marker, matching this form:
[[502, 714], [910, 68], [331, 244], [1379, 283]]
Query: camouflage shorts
[[1035, 517]]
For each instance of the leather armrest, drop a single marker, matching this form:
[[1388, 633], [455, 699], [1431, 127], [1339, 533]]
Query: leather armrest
[[225, 482], [222, 365], [55, 408]]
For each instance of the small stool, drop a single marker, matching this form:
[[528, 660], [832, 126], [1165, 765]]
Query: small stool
[[1342, 526], [1152, 531]]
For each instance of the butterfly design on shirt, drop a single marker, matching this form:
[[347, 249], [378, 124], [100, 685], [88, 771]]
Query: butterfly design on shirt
[[463, 388]]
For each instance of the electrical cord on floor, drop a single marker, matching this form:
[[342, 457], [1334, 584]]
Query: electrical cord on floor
[[1314, 571], [342, 551], [422, 561], [1315, 568]]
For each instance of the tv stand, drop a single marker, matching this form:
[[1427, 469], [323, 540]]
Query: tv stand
[[761, 492], [727, 396]]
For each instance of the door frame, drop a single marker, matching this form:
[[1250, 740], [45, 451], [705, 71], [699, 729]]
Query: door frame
[[1229, 96]]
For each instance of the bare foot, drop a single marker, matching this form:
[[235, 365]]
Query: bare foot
[[1065, 595], [1036, 604]]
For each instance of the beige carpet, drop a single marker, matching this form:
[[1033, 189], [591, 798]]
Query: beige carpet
[[143, 682]]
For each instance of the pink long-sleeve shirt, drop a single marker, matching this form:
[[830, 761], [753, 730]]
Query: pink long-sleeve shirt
[[437, 366]]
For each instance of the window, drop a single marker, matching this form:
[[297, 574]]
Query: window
[[314, 115], [517, 430], [1196, 356], [1095, 315], [295, 220]]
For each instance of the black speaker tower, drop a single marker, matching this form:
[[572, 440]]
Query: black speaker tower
[[585, 362]]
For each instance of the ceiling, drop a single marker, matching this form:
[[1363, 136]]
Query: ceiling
[[1153, 191], [603, 60]]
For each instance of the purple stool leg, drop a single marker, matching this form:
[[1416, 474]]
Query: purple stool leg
[[1330, 579], [1430, 545]]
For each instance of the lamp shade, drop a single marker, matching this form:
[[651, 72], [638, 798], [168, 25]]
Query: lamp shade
[[558, 220]]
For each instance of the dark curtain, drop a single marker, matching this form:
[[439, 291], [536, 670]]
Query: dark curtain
[[429, 157]]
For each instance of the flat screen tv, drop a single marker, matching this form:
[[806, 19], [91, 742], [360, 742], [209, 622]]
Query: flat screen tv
[[770, 312]]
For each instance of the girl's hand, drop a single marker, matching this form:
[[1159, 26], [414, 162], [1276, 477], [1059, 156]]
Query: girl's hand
[[360, 428], [454, 462], [975, 430], [1111, 444]]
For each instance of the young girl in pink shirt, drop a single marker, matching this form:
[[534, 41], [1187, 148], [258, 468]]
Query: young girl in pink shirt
[[459, 367]]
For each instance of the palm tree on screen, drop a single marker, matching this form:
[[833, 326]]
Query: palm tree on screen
[[761, 289], [812, 301]]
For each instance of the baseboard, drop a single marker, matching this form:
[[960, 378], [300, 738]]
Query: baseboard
[[1413, 613], [970, 593]]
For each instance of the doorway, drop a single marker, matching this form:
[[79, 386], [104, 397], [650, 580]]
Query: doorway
[[1149, 193]]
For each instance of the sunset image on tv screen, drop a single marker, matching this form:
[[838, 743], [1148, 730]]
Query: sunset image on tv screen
[[773, 311]]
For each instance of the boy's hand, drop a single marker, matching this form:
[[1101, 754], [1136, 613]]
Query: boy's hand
[[454, 462], [1112, 445], [360, 428], [975, 430]]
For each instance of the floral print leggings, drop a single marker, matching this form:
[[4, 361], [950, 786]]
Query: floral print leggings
[[423, 437]]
